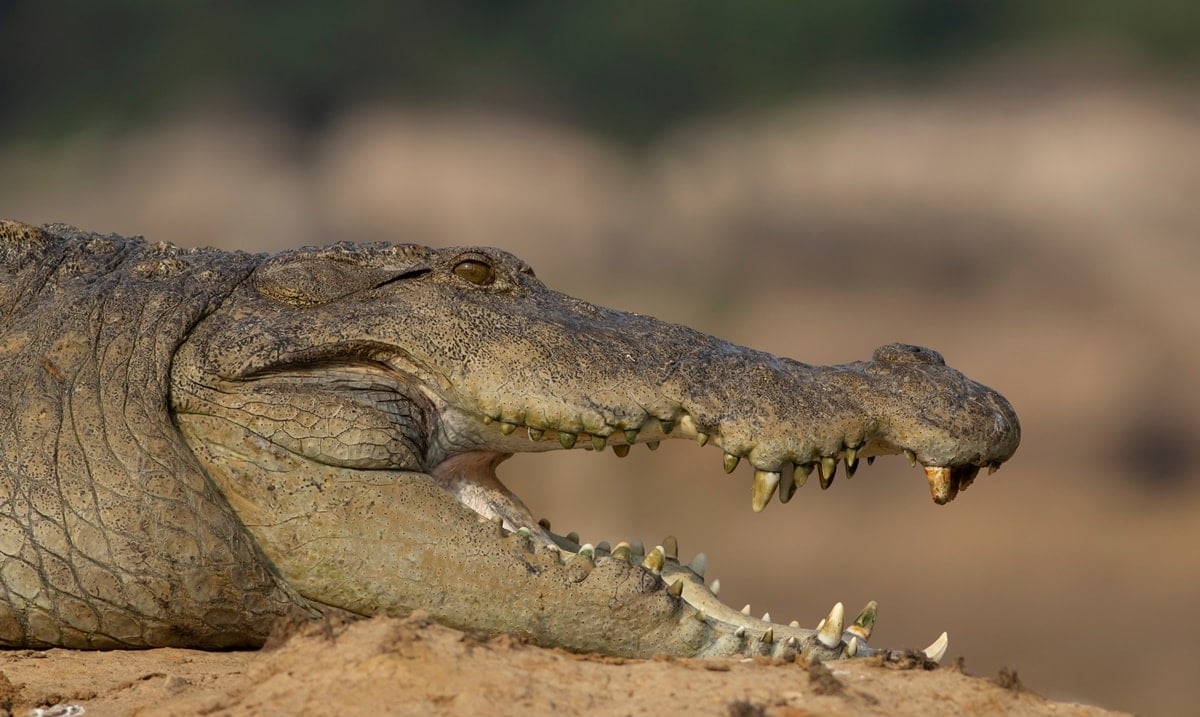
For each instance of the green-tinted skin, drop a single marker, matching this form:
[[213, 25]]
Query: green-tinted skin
[[196, 442]]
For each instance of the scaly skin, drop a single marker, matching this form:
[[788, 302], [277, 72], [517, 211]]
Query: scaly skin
[[195, 442]]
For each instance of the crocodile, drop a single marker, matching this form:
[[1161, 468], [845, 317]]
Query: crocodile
[[198, 442]]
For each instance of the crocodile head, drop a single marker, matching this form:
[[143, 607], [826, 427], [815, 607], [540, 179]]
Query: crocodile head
[[353, 403]]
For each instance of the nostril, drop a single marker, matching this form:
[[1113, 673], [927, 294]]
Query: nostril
[[908, 353]]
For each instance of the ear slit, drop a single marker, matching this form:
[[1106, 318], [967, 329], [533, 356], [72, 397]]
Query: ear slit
[[402, 277]]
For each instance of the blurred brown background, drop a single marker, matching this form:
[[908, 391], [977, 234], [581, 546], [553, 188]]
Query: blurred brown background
[[1012, 184]]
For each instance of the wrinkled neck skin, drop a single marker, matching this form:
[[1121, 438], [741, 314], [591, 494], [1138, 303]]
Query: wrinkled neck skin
[[353, 404]]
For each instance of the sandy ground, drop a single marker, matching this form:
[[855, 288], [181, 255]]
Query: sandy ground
[[1039, 230], [390, 666]]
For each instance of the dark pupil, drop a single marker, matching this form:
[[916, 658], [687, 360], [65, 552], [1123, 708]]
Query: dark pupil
[[475, 272]]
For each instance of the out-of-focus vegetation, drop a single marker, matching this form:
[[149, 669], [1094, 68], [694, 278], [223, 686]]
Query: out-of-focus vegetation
[[630, 69]]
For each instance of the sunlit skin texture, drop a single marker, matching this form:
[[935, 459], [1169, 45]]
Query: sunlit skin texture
[[196, 442]]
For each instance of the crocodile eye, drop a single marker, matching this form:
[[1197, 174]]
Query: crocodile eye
[[476, 272]]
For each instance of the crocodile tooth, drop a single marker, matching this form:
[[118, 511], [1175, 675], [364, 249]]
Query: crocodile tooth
[[765, 483], [851, 469], [794, 623], [675, 589], [966, 476], [701, 616], [993, 467], [487, 420], [652, 445], [828, 471], [535, 434], [787, 484], [769, 636], [912, 457], [638, 548], [507, 428], [940, 486], [870, 460], [622, 552], [599, 442], [701, 438], [766, 617], [630, 436], [573, 537], [544, 523], [792, 642], [830, 633], [604, 547], [621, 449], [746, 610], [699, 564], [937, 650], [671, 547], [801, 474], [566, 440], [666, 425], [740, 632], [865, 622], [731, 462], [587, 550], [524, 532], [715, 587], [851, 461], [851, 647], [654, 560]]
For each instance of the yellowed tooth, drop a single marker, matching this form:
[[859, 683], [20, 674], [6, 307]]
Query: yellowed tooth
[[787, 483], [654, 560], [507, 428], [731, 462], [939, 484], [701, 438], [765, 483]]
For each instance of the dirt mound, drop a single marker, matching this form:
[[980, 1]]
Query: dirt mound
[[415, 666]]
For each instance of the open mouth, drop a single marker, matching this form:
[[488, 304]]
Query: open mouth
[[471, 477]]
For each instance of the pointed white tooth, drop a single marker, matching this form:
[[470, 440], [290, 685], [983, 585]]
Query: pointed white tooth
[[740, 632], [765, 483], [852, 647], [937, 650], [792, 642], [699, 564], [746, 610], [769, 636], [766, 617], [715, 587], [794, 623], [830, 633]]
